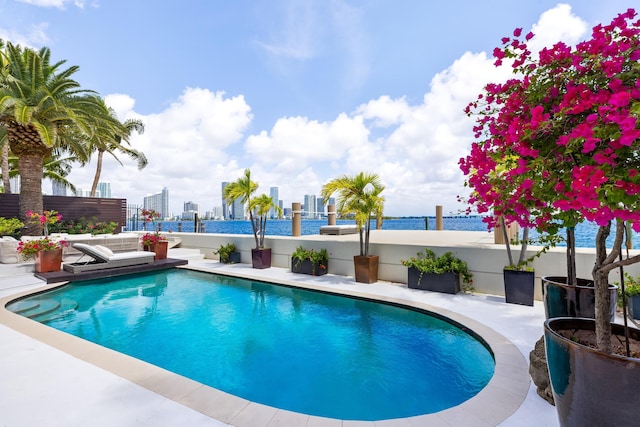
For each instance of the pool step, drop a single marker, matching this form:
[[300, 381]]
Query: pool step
[[43, 309]]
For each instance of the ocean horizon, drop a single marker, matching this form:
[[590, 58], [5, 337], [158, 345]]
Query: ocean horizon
[[585, 232]]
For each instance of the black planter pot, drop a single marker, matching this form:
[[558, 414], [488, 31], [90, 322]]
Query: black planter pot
[[519, 286], [634, 306], [233, 258], [591, 388], [562, 300], [307, 267], [261, 258], [448, 283]]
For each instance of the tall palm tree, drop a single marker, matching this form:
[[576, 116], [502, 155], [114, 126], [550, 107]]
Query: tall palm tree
[[42, 107], [260, 207], [110, 139], [243, 189], [359, 196]]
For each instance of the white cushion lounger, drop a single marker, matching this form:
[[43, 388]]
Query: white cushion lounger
[[104, 258]]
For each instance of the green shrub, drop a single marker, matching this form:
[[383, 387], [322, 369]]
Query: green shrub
[[428, 262]]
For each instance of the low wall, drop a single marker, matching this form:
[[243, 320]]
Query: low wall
[[485, 258]]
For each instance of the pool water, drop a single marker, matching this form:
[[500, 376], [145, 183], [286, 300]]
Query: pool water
[[293, 349]]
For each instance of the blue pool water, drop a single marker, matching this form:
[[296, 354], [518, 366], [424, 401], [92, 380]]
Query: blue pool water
[[293, 349]]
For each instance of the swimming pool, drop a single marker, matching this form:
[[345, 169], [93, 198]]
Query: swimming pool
[[281, 346]]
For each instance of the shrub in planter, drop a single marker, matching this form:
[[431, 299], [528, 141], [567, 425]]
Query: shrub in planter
[[426, 266], [310, 261], [228, 254]]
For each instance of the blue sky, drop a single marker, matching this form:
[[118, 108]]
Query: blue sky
[[298, 91]]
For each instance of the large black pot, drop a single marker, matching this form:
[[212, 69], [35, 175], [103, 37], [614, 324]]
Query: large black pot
[[591, 388], [562, 300], [519, 286]]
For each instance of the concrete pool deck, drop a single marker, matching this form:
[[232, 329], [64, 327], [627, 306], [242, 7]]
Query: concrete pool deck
[[41, 384]]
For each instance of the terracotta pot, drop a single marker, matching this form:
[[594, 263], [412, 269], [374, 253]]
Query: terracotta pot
[[519, 286], [261, 258], [591, 388], [562, 300], [366, 268], [161, 248], [48, 261]]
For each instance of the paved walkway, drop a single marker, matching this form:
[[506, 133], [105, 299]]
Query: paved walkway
[[41, 385]]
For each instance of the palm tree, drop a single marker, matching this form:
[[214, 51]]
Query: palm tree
[[258, 207], [359, 196], [110, 139], [41, 108]]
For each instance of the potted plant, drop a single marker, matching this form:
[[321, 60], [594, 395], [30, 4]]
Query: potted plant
[[569, 120], [310, 261], [438, 273], [154, 241], [632, 290], [359, 196], [44, 219], [258, 208], [228, 254], [46, 252]]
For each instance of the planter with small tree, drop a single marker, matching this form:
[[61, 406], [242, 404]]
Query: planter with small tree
[[360, 196], [258, 208], [567, 123]]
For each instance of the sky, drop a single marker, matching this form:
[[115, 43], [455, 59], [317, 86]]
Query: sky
[[299, 91]]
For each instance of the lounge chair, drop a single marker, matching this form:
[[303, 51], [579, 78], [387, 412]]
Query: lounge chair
[[103, 258]]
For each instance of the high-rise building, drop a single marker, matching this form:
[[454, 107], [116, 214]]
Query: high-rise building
[[58, 189], [225, 208], [319, 207], [190, 210], [105, 189], [237, 209], [159, 202], [273, 193], [309, 206]]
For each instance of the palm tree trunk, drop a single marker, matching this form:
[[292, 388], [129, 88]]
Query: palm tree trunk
[[5, 167], [30, 167], [96, 177]]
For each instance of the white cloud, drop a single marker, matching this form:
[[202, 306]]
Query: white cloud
[[60, 4]]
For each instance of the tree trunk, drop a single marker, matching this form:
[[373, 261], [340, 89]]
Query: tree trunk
[[602, 297], [5, 168], [96, 177], [30, 167]]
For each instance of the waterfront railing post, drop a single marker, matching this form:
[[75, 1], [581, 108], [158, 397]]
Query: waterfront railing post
[[439, 221], [331, 214], [296, 219]]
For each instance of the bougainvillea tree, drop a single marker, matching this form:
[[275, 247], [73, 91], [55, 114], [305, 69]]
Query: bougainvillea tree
[[559, 142]]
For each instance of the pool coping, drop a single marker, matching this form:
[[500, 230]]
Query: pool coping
[[503, 395]]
